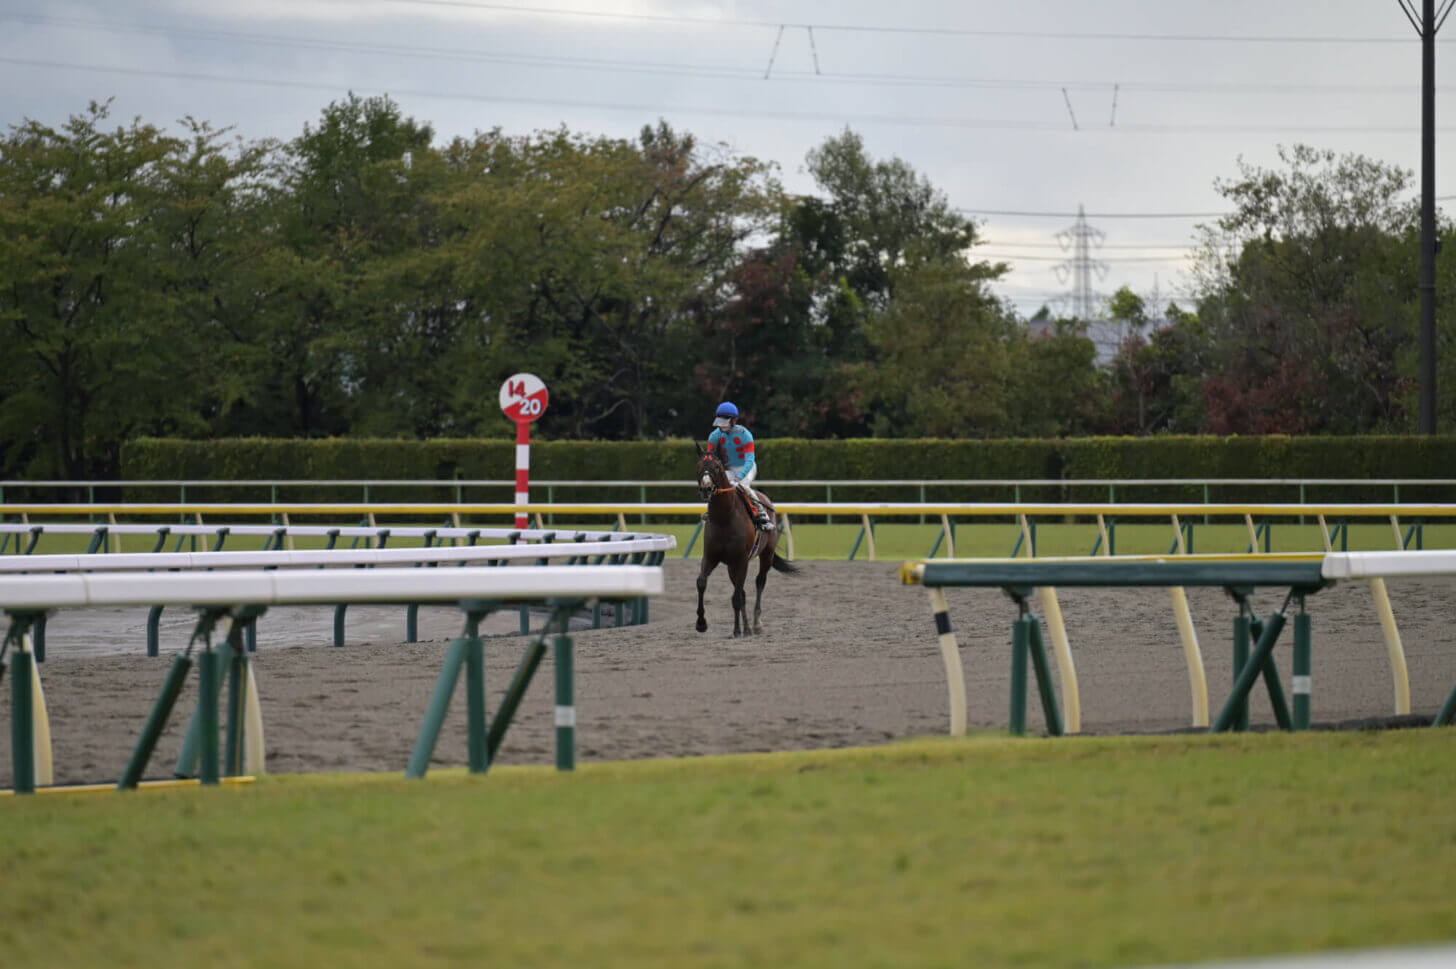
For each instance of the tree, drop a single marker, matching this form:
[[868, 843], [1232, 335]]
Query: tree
[[1158, 379], [1127, 308], [1307, 296], [346, 203], [603, 260], [945, 356], [1059, 389], [100, 294]]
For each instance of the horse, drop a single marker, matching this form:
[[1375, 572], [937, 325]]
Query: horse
[[732, 538]]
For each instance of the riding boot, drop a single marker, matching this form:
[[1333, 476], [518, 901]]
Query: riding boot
[[761, 518]]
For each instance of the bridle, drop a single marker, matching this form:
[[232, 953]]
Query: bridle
[[705, 470]]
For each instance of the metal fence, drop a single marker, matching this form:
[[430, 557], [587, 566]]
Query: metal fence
[[459, 490]]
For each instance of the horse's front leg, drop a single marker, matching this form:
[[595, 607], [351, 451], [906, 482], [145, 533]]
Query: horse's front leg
[[739, 575], [765, 562], [708, 566]]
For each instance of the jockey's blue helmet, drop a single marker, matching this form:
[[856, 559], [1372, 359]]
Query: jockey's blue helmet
[[726, 409]]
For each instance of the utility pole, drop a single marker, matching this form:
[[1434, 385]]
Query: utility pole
[[1427, 25]]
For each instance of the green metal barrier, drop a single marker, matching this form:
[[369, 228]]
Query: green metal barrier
[[206, 716], [484, 737], [1019, 578]]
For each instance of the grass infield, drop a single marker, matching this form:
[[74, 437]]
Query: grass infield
[[981, 852]]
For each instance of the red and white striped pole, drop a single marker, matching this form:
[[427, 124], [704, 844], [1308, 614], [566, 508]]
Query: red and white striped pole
[[523, 470], [523, 399]]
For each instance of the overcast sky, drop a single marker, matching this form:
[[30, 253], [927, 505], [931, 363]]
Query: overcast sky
[[969, 93]]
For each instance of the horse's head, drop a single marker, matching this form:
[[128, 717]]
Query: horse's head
[[711, 474]]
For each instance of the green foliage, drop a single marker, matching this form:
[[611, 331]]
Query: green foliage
[[945, 355], [1308, 297], [362, 281], [115, 252]]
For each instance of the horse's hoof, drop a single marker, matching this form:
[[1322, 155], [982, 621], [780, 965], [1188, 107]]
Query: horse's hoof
[[758, 630], [736, 634], [702, 625]]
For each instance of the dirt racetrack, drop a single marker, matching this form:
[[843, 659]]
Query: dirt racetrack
[[848, 657]]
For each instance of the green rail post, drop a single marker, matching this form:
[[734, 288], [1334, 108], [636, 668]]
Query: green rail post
[[237, 684], [22, 732], [475, 703], [1448, 711], [207, 718], [1020, 645], [565, 704], [1272, 685], [1262, 652], [1299, 682], [187, 758], [1241, 659], [156, 721], [419, 761], [530, 660], [1044, 686]]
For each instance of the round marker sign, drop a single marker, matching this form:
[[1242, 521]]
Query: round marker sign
[[523, 397]]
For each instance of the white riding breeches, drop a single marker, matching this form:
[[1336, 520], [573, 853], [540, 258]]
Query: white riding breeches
[[747, 480]]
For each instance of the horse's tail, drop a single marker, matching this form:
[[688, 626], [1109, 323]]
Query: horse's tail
[[781, 564]]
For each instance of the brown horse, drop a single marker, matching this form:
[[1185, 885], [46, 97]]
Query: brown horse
[[730, 537]]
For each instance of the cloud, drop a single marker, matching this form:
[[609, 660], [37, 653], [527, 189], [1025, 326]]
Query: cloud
[[569, 14]]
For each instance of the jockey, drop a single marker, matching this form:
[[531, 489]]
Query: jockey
[[736, 442]]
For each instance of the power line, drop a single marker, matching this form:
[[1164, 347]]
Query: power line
[[1060, 259], [836, 118], [697, 70], [1096, 215], [939, 31], [1007, 244]]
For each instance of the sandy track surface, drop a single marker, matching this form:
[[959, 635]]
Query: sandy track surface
[[848, 657]]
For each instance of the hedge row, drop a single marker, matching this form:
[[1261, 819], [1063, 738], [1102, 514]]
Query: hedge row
[[1061, 459]]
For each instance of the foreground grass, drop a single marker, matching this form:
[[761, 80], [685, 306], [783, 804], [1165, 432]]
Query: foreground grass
[[982, 852]]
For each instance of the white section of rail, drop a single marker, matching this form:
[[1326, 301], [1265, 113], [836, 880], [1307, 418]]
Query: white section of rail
[[328, 587], [120, 562]]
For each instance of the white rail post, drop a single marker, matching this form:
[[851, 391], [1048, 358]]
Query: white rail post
[[955, 677], [1192, 655]]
